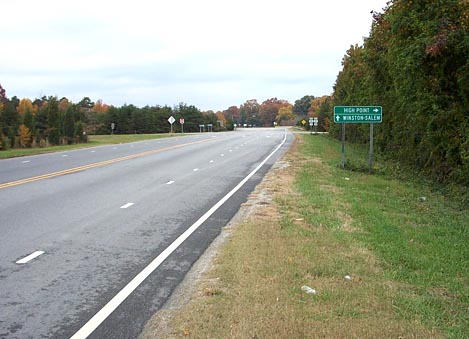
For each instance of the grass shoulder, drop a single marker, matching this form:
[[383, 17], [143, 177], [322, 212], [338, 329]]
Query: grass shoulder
[[386, 258]]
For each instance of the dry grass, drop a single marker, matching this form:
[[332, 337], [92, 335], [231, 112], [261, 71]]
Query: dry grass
[[254, 287]]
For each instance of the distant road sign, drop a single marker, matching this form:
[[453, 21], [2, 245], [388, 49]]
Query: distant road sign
[[358, 114], [171, 120], [313, 121]]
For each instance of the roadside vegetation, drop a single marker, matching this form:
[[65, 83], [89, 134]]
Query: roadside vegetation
[[386, 257]]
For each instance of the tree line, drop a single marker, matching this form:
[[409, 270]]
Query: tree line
[[49, 121], [415, 64]]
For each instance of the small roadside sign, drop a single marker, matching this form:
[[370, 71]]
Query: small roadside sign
[[171, 120], [181, 121]]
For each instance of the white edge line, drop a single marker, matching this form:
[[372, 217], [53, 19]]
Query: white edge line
[[127, 205], [102, 314], [30, 257]]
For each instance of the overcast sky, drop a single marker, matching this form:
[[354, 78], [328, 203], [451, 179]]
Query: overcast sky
[[207, 53]]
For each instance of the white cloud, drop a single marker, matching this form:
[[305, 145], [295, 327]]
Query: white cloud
[[209, 53]]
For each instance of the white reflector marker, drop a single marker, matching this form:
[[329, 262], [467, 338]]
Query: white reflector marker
[[30, 257]]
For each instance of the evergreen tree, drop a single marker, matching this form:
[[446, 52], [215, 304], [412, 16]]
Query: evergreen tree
[[53, 119], [69, 125]]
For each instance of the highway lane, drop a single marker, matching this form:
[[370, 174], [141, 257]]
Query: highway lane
[[98, 228], [17, 169]]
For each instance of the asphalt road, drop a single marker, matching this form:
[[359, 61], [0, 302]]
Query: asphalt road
[[95, 218]]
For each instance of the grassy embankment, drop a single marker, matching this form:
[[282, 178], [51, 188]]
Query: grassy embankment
[[404, 246], [93, 140]]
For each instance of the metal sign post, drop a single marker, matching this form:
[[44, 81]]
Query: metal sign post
[[370, 160], [343, 146]]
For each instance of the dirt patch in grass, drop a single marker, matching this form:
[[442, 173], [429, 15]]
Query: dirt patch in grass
[[249, 282]]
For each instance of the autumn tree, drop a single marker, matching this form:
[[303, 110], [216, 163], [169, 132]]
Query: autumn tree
[[25, 136], [249, 112], [325, 114], [269, 110], [285, 113], [28, 121], [221, 119], [233, 114], [64, 103], [302, 106], [24, 106]]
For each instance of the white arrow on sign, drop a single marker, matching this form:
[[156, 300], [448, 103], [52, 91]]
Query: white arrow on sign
[[376, 110], [337, 118]]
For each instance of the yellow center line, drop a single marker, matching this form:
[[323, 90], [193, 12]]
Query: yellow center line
[[96, 164]]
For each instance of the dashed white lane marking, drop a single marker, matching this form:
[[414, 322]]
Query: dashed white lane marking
[[114, 148], [211, 161], [111, 306], [26, 161], [170, 182], [93, 151], [64, 155], [222, 155], [231, 150], [127, 205], [195, 169], [30, 257]]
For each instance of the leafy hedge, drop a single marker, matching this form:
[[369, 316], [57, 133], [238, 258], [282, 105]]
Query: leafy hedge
[[416, 65]]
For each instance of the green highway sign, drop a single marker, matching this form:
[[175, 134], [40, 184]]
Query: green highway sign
[[358, 114]]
